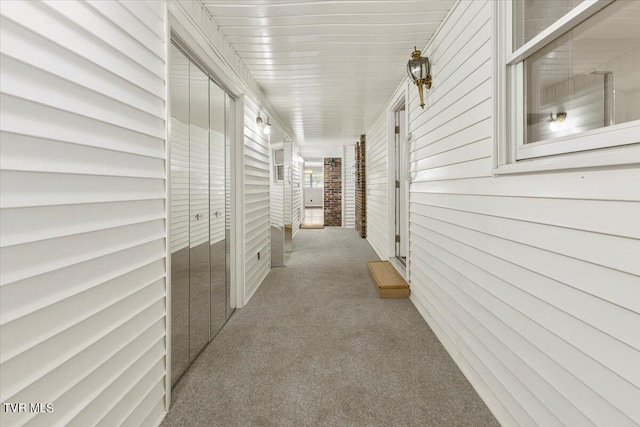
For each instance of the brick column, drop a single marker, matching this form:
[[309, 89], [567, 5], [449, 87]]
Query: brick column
[[333, 191], [361, 188]]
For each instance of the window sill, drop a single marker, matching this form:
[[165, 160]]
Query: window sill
[[619, 156]]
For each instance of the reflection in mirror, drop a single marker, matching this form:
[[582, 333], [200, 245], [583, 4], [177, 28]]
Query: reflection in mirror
[[230, 106], [179, 218], [288, 196], [199, 273], [217, 201], [586, 79], [276, 198]]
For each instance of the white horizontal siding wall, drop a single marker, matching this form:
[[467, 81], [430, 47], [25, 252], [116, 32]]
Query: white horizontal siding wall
[[256, 202], [83, 240], [296, 183], [530, 281], [349, 186], [377, 184]]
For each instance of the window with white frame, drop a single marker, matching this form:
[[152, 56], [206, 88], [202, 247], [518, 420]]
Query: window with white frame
[[568, 76], [278, 165]]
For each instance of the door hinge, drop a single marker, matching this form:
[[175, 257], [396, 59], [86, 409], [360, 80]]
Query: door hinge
[[397, 129], [397, 184], [397, 238]]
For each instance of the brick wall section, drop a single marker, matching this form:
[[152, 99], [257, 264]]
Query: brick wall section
[[361, 188], [333, 191]]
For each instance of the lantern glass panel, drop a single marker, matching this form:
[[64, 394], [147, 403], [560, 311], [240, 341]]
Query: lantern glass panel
[[414, 68], [418, 68]]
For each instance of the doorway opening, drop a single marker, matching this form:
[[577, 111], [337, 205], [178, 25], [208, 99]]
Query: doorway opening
[[401, 185], [313, 188]]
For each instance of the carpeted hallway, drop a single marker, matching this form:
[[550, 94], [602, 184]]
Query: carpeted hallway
[[315, 346]]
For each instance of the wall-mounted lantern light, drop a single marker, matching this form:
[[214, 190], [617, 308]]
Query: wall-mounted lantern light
[[266, 127], [418, 69], [555, 119]]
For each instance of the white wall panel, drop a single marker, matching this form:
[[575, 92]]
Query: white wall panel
[[313, 197], [296, 188], [83, 248], [530, 281], [256, 200], [349, 186], [377, 172]]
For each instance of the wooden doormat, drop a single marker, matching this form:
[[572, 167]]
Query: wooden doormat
[[387, 281], [312, 226]]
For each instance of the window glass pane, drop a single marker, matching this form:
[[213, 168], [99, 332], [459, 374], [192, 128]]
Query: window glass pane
[[591, 73], [313, 179], [531, 17], [278, 156], [278, 174]]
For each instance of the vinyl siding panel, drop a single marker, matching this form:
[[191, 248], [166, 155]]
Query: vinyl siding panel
[[377, 184], [256, 201], [530, 281], [83, 248], [296, 188], [349, 186]]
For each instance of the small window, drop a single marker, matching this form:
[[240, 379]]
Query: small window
[[278, 165], [572, 76]]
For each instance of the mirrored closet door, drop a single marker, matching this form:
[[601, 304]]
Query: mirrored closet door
[[199, 145]]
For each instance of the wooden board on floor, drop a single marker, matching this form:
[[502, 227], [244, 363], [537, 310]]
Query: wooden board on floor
[[312, 226], [387, 281]]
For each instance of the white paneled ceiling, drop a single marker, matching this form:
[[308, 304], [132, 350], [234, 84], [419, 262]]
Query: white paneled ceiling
[[328, 67]]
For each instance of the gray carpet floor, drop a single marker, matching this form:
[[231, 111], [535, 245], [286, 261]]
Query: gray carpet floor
[[315, 346]]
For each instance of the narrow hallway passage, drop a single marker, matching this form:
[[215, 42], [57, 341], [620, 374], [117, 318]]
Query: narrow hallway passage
[[315, 346]]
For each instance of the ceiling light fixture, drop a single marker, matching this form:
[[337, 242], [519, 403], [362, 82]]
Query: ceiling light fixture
[[419, 69], [554, 120]]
